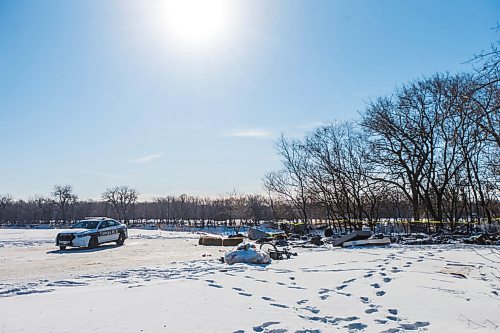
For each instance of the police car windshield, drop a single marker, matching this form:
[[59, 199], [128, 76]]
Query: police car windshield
[[86, 225]]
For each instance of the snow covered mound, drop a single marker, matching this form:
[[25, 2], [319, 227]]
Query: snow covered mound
[[246, 253]]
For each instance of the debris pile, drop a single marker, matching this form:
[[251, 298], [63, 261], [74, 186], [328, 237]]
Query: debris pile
[[483, 239], [246, 253], [442, 238]]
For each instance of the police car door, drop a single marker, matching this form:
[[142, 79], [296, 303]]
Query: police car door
[[114, 230], [104, 232]]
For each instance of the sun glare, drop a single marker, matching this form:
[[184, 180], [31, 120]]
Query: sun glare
[[198, 22]]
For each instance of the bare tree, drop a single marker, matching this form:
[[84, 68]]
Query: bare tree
[[63, 198], [122, 198], [399, 144], [291, 182]]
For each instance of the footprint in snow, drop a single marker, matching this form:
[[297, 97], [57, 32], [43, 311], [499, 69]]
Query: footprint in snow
[[214, 285], [312, 309], [380, 293], [381, 321], [297, 287], [367, 275], [382, 274], [245, 294], [391, 330], [302, 301], [136, 286], [415, 326], [237, 289], [68, 283], [340, 319], [356, 326], [280, 305], [393, 311], [350, 280], [370, 310], [375, 285], [393, 318], [341, 287], [364, 299], [387, 280], [308, 331], [269, 299], [261, 328], [324, 294], [344, 294]]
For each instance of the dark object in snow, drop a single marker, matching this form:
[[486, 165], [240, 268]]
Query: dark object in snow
[[328, 232], [254, 234], [483, 239], [275, 253], [210, 241], [353, 236], [232, 241], [316, 240], [219, 241]]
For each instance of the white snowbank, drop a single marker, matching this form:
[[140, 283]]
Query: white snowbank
[[166, 285]]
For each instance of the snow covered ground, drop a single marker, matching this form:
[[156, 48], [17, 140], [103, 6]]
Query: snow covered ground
[[165, 282]]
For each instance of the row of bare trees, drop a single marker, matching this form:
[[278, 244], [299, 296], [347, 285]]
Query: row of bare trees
[[432, 145], [62, 205]]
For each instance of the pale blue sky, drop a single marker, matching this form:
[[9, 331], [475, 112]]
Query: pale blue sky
[[97, 93]]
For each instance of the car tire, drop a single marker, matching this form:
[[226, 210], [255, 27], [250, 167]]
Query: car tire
[[62, 247], [121, 239], [93, 242]]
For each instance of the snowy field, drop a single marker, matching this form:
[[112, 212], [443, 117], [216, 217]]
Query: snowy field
[[165, 282]]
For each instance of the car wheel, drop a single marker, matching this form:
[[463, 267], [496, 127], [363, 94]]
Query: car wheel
[[93, 242], [121, 239], [62, 247]]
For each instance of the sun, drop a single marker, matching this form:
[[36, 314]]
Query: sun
[[198, 22]]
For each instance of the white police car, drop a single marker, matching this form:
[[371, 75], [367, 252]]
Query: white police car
[[92, 232]]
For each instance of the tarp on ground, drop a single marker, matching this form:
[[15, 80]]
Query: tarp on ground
[[246, 253]]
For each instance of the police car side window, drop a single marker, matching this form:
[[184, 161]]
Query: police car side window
[[112, 223], [103, 225]]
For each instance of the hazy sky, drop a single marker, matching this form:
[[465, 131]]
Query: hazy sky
[[98, 93]]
